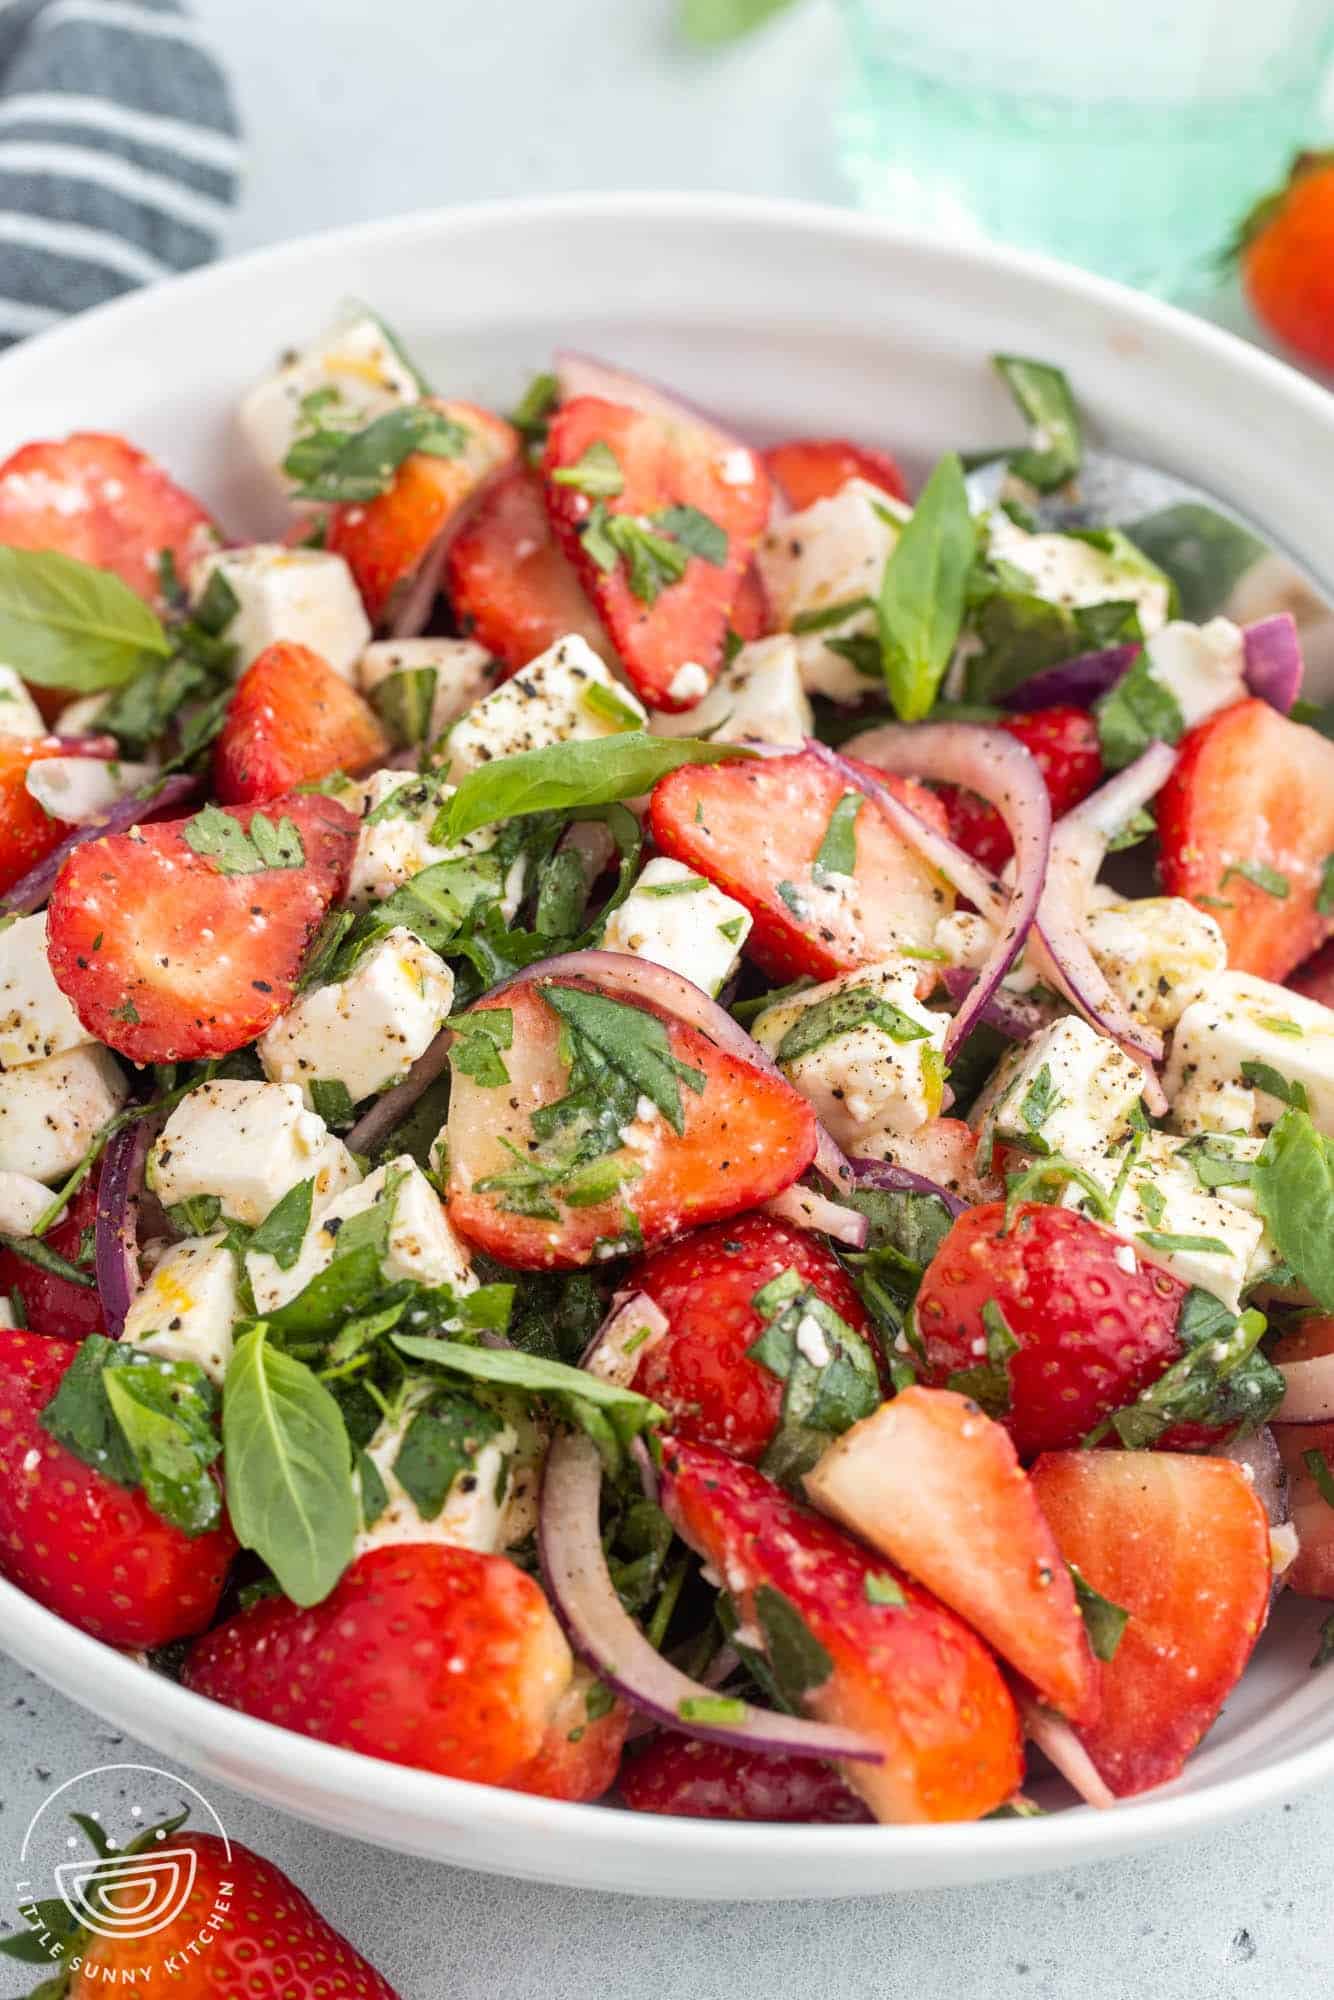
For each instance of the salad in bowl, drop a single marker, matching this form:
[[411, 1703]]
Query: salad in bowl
[[665, 1115]]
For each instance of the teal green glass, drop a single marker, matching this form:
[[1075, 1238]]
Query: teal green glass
[[1129, 136]]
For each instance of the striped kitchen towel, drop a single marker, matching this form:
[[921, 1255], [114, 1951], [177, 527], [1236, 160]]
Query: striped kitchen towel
[[119, 153]]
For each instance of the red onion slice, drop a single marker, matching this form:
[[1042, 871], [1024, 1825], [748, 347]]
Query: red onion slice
[[1309, 1395], [809, 1210], [1273, 664], [376, 1123], [634, 1325], [116, 1230], [1060, 1746], [1261, 1460], [902, 1180], [584, 375], [574, 1570], [1078, 682], [83, 745], [1010, 1014], [31, 891], [1000, 770]]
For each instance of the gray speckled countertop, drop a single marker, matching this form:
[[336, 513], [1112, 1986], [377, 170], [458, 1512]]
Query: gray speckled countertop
[[357, 111]]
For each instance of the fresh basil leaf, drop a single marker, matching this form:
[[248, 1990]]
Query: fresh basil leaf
[[80, 1417], [921, 603], [714, 21], [351, 1284], [441, 1441], [1104, 1621], [283, 1230], [1263, 1076], [477, 1040], [829, 615], [332, 1101], [653, 561], [1037, 1104], [695, 531], [529, 415], [633, 1041], [336, 465], [882, 1590], [1056, 449], [405, 703], [32, 1250], [563, 776], [796, 1658], [290, 1491], [165, 1410], [65, 624], [138, 713], [988, 1382], [1138, 711], [1294, 1192], [1260, 876], [837, 852], [374, 1493], [827, 1369], [596, 472], [842, 1014], [1202, 552], [508, 1368], [216, 835], [1221, 1380]]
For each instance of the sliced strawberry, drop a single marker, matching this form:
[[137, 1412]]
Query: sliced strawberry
[[27, 834], [701, 1371], [809, 469], [755, 828], [93, 1551], [386, 541], [291, 719], [96, 498], [167, 958], [1091, 1334], [54, 1304], [580, 1754], [422, 1654], [744, 1137], [906, 1672], [1316, 977], [509, 584], [691, 1779], [1064, 744], [664, 463], [1246, 827], [1312, 1515], [750, 614], [1182, 1544], [935, 1485]]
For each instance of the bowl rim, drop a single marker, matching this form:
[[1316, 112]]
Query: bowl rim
[[161, 1712]]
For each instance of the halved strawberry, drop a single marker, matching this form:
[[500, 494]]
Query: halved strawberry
[[935, 1485], [580, 1754], [1182, 1544], [509, 584], [54, 1304], [673, 478], [1063, 742], [94, 497], [541, 1187], [701, 1371], [170, 951], [756, 829], [1246, 828], [904, 1671], [292, 718], [690, 1778], [809, 469], [1091, 1334], [27, 833], [386, 541]]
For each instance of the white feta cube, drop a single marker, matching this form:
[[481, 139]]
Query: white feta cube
[[454, 675], [306, 596], [758, 695], [1202, 666], [829, 555], [367, 1030], [22, 1201], [398, 812], [489, 1505], [1074, 573], [357, 362], [1156, 952], [51, 1111], [36, 1020], [863, 1049], [187, 1309], [676, 918], [19, 713], [1238, 1028], [420, 1245], [248, 1144], [1067, 1089], [80, 789], [565, 695]]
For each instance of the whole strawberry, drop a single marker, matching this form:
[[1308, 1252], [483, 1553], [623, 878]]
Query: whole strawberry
[[1286, 250]]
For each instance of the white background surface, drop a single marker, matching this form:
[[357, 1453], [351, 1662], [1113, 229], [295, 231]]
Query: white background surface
[[360, 108]]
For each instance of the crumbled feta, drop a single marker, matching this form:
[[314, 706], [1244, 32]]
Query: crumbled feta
[[358, 362], [52, 1110], [420, 1244], [1203, 666], [492, 1501], [19, 713], [398, 812], [1075, 573], [863, 1049], [248, 1144], [22, 1201], [463, 673], [1238, 1021], [306, 596], [758, 695], [677, 918], [565, 695], [36, 1020], [1067, 1087], [79, 789], [832, 553], [689, 683], [188, 1307], [366, 1031], [1156, 952]]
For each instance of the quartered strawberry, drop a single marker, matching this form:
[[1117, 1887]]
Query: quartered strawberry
[[1091, 1334], [27, 833], [664, 473], [291, 719], [90, 1550], [96, 498], [422, 1654], [510, 586], [1245, 829], [809, 469], [700, 1371], [690, 1778], [1064, 744], [1182, 1544], [580, 1754], [54, 1304], [558, 1197], [386, 541], [170, 951], [904, 1671], [756, 829], [935, 1485]]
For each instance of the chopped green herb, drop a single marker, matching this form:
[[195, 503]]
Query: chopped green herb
[[719, 1708], [921, 603], [609, 706], [1260, 875], [1104, 1621], [334, 464], [882, 1590], [842, 1014], [1318, 1466], [829, 615], [238, 850], [477, 1040], [596, 472], [695, 531], [332, 1101], [988, 1382], [837, 852], [1055, 449], [683, 885], [1138, 711], [1263, 1076]]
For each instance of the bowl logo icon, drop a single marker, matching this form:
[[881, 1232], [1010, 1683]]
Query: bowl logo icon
[[129, 1895]]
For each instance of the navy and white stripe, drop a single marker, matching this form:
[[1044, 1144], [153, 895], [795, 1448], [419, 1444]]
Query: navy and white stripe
[[119, 153]]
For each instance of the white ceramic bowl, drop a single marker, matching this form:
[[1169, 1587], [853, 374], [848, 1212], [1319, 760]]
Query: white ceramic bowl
[[789, 319]]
